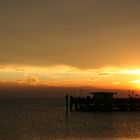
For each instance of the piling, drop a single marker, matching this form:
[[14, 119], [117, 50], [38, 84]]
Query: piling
[[67, 102]]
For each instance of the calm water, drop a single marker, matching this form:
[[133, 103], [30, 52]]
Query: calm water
[[43, 119]]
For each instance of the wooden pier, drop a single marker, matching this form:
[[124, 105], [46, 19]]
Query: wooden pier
[[103, 101]]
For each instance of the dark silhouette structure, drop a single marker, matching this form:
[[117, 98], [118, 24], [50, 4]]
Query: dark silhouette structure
[[104, 101], [102, 95], [67, 106]]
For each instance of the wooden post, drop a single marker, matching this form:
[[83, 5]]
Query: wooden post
[[67, 102], [71, 103]]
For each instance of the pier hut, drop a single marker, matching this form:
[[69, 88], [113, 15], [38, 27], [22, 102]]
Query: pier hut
[[102, 101], [102, 95]]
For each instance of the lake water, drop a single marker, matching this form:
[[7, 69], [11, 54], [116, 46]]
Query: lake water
[[44, 119]]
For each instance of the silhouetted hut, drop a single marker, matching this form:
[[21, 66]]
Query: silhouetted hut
[[102, 95]]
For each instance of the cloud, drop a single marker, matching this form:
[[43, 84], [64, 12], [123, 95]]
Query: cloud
[[84, 34], [105, 74], [24, 80], [19, 69], [32, 79], [116, 83]]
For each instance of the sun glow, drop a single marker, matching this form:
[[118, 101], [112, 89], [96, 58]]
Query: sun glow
[[136, 83], [131, 72]]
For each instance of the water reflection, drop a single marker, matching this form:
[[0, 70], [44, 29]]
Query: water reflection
[[40, 120]]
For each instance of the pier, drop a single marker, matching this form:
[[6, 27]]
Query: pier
[[103, 101]]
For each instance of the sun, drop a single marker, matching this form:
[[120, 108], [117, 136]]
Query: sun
[[136, 83]]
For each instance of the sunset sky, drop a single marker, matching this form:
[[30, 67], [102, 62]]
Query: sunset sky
[[70, 43]]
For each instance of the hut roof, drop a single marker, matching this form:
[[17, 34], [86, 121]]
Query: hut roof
[[101, 93]]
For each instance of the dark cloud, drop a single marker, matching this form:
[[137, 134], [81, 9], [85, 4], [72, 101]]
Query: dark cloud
[[104, 74], [91, 33]]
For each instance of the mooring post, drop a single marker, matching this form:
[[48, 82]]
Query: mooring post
[[71, 103], [67, 102]]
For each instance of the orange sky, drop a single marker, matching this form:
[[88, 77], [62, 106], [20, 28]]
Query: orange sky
[[62, 75], [70, 43]]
